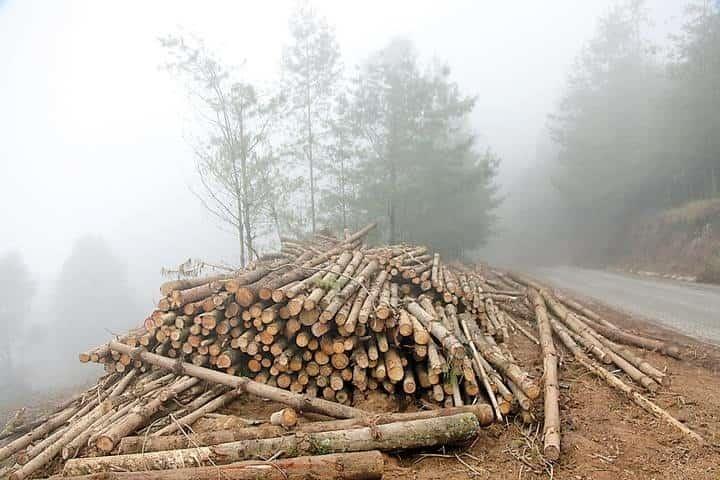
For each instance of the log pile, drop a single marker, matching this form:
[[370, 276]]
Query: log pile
[[317, 327]]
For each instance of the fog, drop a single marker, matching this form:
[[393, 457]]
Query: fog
[[95, 135]]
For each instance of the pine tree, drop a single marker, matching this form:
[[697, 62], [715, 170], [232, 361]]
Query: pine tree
[[311, 70], [421, 169]]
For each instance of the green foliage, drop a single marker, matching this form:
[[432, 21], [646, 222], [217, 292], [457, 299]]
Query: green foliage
[[419, 167], [394, 145]]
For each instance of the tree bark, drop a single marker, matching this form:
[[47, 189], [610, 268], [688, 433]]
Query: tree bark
[[141, 416], [400, 435], [337, 466], [551, 427], [298, 402], [615, 382], [197, 413]]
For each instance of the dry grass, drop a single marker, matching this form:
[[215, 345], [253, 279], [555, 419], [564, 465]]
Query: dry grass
[[693, 212]]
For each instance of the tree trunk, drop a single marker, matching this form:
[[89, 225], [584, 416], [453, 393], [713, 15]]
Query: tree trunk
[[49, 453], [401, 435], [615, 382], [337, 466], [37, 433], [299, 402], [197, 413], [141, 416], [138, 444], [551, 428]]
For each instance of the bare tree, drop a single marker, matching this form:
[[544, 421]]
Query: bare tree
[[232, 158]]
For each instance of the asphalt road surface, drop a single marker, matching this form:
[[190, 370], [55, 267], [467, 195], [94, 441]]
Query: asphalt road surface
[[693, 309]]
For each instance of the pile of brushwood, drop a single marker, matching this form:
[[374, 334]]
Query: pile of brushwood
[[316, 327]]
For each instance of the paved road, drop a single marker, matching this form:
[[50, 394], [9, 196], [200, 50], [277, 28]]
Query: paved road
[[691, 308]]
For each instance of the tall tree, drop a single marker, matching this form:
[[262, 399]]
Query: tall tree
[[234, 158], [388, 110], [92, 294], [16, 293], [694, 101], [607, 128], [338, 185], [421, 170], [311, 70]]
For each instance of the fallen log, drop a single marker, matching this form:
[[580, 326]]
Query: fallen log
[[197, 413], [141, 416], [336, 466], [400, 435], [297, 401], [551, 427], [37, 433], [482, 412], [615, 382]]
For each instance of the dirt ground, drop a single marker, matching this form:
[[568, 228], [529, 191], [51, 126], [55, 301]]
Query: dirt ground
[[605, 436]]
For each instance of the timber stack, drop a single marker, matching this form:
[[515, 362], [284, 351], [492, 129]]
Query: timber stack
[[316, 327]]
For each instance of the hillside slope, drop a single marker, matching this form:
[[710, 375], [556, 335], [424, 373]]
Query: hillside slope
[[681, 241]]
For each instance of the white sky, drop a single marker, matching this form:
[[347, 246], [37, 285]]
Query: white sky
[[92, 131]]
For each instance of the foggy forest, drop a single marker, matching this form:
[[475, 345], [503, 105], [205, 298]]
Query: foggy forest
[[144, 141], [330, 142]]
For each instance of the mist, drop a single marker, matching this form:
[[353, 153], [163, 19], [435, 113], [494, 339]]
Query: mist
[[97, 156]]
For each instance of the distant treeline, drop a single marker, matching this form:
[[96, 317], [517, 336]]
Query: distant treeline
[[324, 147], [44, 325], [638, 127]]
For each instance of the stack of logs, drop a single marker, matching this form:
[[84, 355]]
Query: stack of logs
[[334, 320], [317, 327]]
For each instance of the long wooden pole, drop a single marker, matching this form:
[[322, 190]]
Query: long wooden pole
[[615, 382], [347, 466], [551, 427], [400, 435], [482, 411], [297, 401]]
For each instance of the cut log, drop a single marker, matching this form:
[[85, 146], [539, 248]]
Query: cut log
[[141, 416], [640, 400], [551, 427], [494, 355], [286, 418], [449, 342], [347, 466], [198, 412], [299, 402], [482, 411], [51, 451], [448, 430]]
